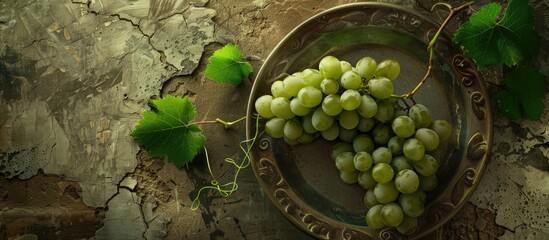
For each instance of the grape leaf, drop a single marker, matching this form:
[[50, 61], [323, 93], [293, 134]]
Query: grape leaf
[[525, 94], [165, 130], [491, 41], [226, 66]]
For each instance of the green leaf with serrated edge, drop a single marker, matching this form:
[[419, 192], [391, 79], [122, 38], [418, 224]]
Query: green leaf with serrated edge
[[526, 89], [508, 41], [164, 130], [226, 66]]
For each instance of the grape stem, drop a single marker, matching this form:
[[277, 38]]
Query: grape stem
[[431, 46], [225, 124]]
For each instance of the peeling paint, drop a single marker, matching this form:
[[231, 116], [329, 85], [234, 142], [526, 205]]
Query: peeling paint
[[515, 185]]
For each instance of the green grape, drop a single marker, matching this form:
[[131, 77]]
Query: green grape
[[442, 128], [308, 124], [329, 86], [275, 127], [382, 134], [370, 199], [349, 177], [363, 161], [347, 135], [331, 133], [373, 217], [385, 111], [281, 108], [312, 78], [367, 107], [428, 137], [407, 181], [382, 172], [386, 192], [403, 126], [411, 204], [363, 143], [366, 67], [421, 195], [381, 87], [413, 149], [392, 214], [309, 96], [428, 183], [348, 119], [263, 106], [306, 138], [298, 109], [331, 105], [292, 85], [350, 80], [388, 68], [400, 163], [291, 142], [293, 129], [298, 74], [330, 67], [321, 121], [277, 89], [365, 124], [408, 226], [366, 180], [421, 115], [344, 162], [426, 166], [339, 148], [345, 66], [350, 99], [382, 155], [396, 144]]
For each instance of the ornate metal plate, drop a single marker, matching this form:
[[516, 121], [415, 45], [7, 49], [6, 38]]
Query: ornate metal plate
[[302, 180]]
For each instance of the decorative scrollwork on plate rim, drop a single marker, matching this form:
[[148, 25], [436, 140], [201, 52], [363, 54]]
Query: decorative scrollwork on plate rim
[[478, 147]]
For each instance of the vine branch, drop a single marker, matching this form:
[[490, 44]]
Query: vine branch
[[226, 189], [431, 46], [226, 124]]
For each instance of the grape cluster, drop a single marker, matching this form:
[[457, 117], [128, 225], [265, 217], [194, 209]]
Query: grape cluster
[[382, 147]]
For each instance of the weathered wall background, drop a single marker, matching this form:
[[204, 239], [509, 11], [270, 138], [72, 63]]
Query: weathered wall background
[[74, 76]]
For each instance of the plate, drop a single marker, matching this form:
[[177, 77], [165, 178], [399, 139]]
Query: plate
[[303, 182]]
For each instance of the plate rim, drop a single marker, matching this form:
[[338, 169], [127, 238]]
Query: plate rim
[[478, 147]]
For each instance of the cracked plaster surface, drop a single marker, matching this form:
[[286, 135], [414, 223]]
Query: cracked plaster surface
[[513, 185], [74, 78], [132, 217], [74, 85], [124, 220]]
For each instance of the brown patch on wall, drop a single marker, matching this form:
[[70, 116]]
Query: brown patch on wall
[[47, 207], [150, 183], [470, 223]]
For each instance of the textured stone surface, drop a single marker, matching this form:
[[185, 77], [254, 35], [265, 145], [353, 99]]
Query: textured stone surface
[[73, 85]]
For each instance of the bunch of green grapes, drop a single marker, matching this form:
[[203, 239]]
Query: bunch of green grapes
[[383, 148]]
